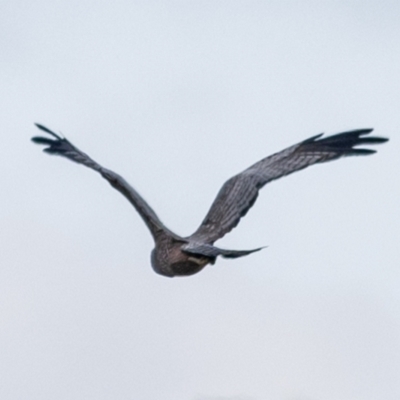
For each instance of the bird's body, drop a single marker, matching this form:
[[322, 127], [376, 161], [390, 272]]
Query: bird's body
[[174, 255], [167, 258]]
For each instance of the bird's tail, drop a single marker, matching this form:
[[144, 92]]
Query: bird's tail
[[208, 250]]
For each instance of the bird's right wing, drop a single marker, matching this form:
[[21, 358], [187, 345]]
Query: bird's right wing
[[62, 147], [240, 192]]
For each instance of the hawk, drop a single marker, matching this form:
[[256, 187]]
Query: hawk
[[174, 255]]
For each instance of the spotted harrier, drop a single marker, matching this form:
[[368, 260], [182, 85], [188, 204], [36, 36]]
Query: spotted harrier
[[174, 255]]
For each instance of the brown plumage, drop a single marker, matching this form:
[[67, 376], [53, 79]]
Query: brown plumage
[[174, 255]]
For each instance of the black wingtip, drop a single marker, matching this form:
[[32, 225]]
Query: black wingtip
[[43, 128], [376, 139], [42, 140], [56, 144], [360, 132], [346, 143], [362, 152]]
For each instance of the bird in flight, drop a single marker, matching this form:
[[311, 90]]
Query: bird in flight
[[174, 255]]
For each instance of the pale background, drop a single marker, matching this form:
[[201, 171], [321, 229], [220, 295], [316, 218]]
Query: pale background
[[178, 96]]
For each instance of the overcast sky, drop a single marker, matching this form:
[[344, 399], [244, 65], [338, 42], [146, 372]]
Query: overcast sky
[[177, 96]]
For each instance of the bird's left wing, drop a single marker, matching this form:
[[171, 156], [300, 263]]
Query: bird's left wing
[[63, 147], [240, 192]]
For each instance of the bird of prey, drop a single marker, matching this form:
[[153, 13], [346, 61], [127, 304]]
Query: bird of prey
[[174, 255]]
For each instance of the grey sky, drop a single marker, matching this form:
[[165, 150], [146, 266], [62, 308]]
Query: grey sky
[[177, 97]]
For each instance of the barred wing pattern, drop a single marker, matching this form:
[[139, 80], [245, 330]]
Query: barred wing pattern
[[240, 192]]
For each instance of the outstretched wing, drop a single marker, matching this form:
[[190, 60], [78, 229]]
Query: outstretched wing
[[240, 192], [62, 147]]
